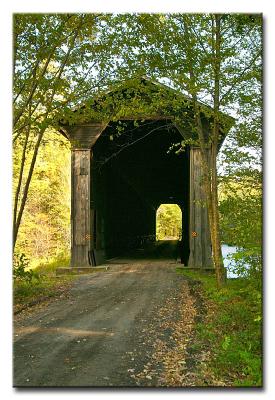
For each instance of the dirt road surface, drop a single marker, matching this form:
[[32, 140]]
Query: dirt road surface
[[104, 332]]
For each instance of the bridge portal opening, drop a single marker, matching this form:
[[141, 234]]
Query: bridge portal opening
[[169, 222], [131, 175], [124, 169]]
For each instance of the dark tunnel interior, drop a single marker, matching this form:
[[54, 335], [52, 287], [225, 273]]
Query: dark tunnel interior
[[133, 172]]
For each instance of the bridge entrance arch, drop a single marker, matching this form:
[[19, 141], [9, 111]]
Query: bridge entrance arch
[[122, 171]]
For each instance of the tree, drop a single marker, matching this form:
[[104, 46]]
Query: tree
[[212, 58], [45, 227], [220, 54], [59, 61]]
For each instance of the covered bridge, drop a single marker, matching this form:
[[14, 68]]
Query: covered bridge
[[124, 167]]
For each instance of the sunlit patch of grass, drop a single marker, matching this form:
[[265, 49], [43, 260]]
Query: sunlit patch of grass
[[49, 268], [49, 264]]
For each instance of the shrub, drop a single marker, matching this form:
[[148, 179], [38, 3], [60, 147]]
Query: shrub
[[20, 272]]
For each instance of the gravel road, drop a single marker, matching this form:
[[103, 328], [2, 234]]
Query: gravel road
[[96, 335]]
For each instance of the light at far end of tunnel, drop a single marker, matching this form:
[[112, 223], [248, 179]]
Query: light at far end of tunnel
[[168, 222]]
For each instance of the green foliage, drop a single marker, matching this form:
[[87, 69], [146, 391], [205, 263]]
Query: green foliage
[[45, 230], [226, 342], [27, 292], [233, 330], [169, 222], [21, 271], [241, 222], [248, 263]]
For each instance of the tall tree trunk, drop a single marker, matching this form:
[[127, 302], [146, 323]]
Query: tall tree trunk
[[18, 219], [209, 167], [20, 179], [216, 240]]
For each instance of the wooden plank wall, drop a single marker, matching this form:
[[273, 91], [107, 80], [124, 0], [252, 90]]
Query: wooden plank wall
[[82, 138], [80, 209]]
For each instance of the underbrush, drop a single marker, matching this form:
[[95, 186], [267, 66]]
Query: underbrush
[[232, 330], [33, 286]]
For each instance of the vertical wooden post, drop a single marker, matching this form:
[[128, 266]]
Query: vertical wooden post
[[82, 138], [199, 235], [81, 235]]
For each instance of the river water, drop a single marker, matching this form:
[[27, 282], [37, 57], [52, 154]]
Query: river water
[[226, 251]]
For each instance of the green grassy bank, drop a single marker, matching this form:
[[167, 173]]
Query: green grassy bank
[[232, 329], [43, 285]]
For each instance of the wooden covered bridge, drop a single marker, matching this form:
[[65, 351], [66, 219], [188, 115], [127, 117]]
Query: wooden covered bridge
[[122, 170]]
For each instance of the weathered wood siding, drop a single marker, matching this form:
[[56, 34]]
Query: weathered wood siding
[[199, 235], [82, 138], [80, 209], [85, 135]]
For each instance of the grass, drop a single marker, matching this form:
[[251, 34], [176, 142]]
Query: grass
[[37, 290], [232, 330]]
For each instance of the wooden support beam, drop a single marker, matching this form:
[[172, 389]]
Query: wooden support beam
[[82, 138], [199, 234], [85, 135], [81, 240]]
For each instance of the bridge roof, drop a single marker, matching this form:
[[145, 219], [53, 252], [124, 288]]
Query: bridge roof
[[142, 98]]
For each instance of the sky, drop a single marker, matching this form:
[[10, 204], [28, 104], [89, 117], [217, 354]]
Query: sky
[[6, 10]]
